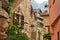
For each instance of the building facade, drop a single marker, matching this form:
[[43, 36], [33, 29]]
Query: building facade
[[54, 12], [3, 19], [39, 24], [45, 15], [23, 12]]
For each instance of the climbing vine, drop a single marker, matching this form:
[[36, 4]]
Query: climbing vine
[[10, 6], [14, 31]]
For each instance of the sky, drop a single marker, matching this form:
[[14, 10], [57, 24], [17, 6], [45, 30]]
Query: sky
[[38, 4], [40, 1]]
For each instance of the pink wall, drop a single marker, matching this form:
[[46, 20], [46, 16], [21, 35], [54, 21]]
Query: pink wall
[[54, 9], [56, 29], [54, 12]]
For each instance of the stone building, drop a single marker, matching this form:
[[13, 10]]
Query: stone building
[[39, 24], [23, 12], [45, 15], [54, 12], [3, 19], [46, 21]]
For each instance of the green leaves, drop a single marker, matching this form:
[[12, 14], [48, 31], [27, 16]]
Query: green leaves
[[10, 6], [11, 1], [8, 10], [40, 24], [47, 36], [22, 37], [21, 28], [14, 33], [11, 31], [16, 23], [19, 36]]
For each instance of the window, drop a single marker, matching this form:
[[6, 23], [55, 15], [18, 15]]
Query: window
[[15, 18], [32, 25], [46, 6], [48, 27], [58, 35], [45, 11], [22, 20]]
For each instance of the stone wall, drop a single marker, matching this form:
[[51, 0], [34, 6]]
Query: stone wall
[[3, 21], [24, 8]]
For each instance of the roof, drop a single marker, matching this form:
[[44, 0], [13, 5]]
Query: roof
[[35, 10], [44, 14], [40, 18]]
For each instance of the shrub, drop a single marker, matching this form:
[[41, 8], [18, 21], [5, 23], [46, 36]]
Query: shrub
[[47, 36], [13, 32]]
